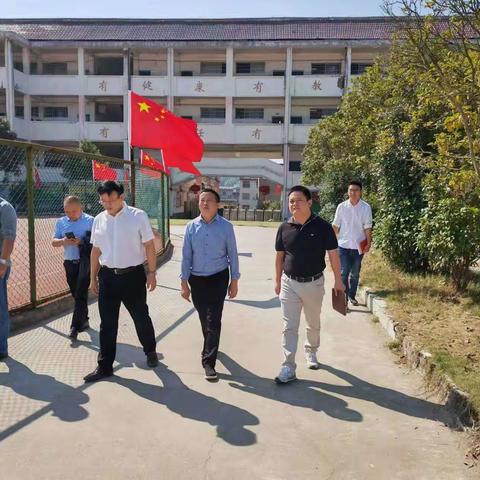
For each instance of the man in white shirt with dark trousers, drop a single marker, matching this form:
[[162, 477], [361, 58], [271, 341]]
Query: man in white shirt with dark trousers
[[353, 226], [122, 239]]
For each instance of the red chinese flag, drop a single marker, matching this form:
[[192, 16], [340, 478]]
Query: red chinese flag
[[102, 172], [278, 189], [148, 161], [153, 126], [184, 166]]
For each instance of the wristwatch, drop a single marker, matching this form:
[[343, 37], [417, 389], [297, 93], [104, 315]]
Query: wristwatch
[[8, 263]]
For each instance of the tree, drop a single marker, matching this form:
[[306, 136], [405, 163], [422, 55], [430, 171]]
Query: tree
[[77, 167]]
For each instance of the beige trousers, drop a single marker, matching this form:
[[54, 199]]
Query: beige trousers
[[295, 296]]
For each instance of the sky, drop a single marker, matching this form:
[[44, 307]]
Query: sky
[[188, 8]]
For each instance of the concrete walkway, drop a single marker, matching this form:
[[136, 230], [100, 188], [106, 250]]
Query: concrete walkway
[[361, 416]]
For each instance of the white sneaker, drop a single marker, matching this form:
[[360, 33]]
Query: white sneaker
[[312, 362], [287, 374]]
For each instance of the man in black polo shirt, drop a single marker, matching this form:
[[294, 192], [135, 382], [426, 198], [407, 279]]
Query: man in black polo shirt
[[301, 245]]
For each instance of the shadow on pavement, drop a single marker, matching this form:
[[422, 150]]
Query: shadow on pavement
[[230, 421], [305, 393], [300, 393], [64, 401]]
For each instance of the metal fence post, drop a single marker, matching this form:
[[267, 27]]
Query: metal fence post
[[31, 227], [162, 196], [167, 213], [132, 182]]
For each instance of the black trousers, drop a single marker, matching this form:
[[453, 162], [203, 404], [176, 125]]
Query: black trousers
[[208, 296], [129, 289], [78, 279]]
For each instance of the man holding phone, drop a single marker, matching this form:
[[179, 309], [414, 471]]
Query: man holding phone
[[72, 232]]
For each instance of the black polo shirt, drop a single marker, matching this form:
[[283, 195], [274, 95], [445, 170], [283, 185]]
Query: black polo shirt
[[305, 245]]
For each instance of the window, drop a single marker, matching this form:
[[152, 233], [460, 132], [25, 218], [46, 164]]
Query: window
[[278, 73], [359, 68], [249, 113], [33, 68], [55, 68], [35, 112], [55, 112], [245, 196], [186, 73], [246, 183], [277, 119], [108, 112], [18, 66], [144, 73], [108, 65], [296, 119], [297, 72], [19, 111], [252, 67], [319, 113], [212, 112], [187, 117], [213, 68], [326, 68], [294, 166]]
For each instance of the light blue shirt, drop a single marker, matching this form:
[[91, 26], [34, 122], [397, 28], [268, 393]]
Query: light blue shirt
[[79, 227], [209, 248], [8, 222]]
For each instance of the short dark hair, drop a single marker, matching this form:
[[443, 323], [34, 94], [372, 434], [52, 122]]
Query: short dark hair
[[211, 190], [108, 187], [302, 189], [356, 183]]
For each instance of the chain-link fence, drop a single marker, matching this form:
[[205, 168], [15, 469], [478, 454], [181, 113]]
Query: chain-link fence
[[35, 179]]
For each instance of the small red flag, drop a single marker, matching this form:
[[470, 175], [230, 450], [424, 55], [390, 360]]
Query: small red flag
[[148, 161], [153, 126], [278, 189], [38, 181], [102, 171]]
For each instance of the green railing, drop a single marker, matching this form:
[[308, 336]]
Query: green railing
[[35, 179]]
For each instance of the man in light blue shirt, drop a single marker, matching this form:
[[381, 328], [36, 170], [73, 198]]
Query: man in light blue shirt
[[8, 231], [209, 251], [72, 232]]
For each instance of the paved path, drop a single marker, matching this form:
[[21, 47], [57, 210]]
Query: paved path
[[360, 417]]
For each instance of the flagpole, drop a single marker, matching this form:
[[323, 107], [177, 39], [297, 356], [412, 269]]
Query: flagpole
[[129, 144]]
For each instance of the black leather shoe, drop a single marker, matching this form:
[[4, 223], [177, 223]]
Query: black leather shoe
[[3, 356], [73, 333], [210, 373], [84, 327], [98, 374], [353, 301], [152, 359]]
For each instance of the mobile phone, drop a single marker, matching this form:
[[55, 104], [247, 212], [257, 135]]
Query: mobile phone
[[70, 235]]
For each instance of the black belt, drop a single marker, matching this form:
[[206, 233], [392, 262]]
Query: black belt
[[72, 261], [305, 279], [121, 271]]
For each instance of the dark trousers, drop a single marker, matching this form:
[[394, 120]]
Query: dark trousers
[[351, 262], [208, 296], [130, 289], [78, 279]]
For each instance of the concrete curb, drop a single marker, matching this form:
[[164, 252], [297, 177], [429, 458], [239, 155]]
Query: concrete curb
[[46, 312], [456, 401]]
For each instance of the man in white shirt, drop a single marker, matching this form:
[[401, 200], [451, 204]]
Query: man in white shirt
[[353, 226], [122, 238]]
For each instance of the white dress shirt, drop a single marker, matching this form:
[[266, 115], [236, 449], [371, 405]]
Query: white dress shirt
[[120, 238], [352, 220]]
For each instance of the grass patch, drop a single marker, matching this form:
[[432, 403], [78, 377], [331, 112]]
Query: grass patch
[[240, 223], [435, 316], [394, 345], [375, 319]]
